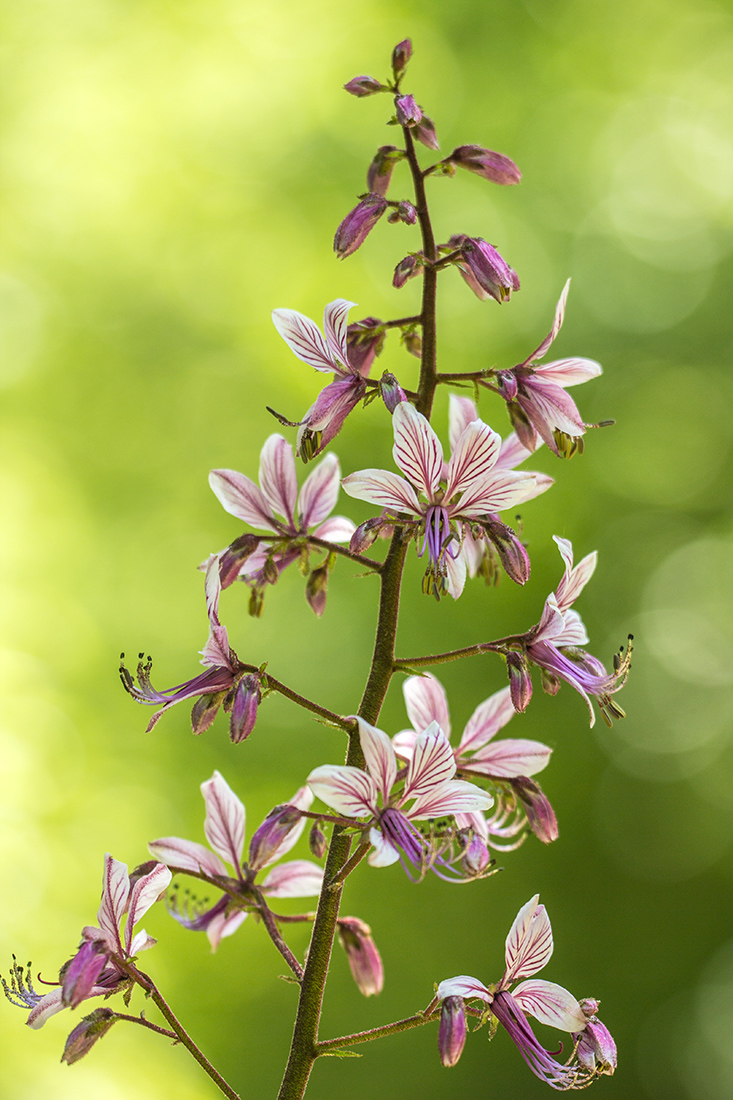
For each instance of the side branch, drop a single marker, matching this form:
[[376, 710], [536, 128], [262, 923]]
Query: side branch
[[406, 664], [409, 1022]]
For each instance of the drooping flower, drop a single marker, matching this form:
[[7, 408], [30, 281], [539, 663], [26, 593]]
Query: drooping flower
[[378, 801], [361, 951], [535, 394], [528, 948], [473, 489], [325, 418], [277, 507], [94, 971], [358, 224], [554, 643], [484, 162], [483, 268], [224, 828]]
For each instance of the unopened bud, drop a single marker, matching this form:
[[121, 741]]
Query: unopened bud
[[365, 535], [506, 381], [366, 965], [520, 681], [392, 392], [484, 162], [589, 1006], [317, 841], [406, 213], [484, 269], [476, 856], [401, 54], [86, 1033], [80, 974], [550, 683], [510, 549], [361, 86], [426, 135], [270, 571], [316, 589], [274, 830], [244, 709], [204, 711], [452, 1030], [412, 341], [408, 112], [407, 269], [364, 342], [380, 170], [234, 557], [540, 814], [357, 225]]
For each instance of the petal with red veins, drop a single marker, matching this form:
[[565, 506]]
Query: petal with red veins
[[319, 493], [379, 757], [461, 413], [335, 322], [349, 791], [383, 488], [472, 461], [145, 893], [463, 986], [550, 1004], [186, 855], [454, 797], [403, 743], [487, 719], [277, 476], [529, 943], [241, 498], [224, 924], [432, 763], [417, 450], [573, 631], [569, 372], [224, 823], [304, 338], [503, 489], [48, 1005], [300, 878], [510, 757], [335, 529], [455, 573], [115, 895], [556, 326], [426, 702]]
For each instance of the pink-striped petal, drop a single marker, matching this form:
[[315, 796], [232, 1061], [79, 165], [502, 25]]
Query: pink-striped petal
[[383, 853], [47, 1006], [222, 925], [463, 986], [573, 631], [417, 450], [300, 878], [403, 743], [335, 529], [548, 406], [529, 943], [379, 757], [319, 493], [186, 855], [426, 702], [455, 797], [510, 757], [224, 823], [550, 1004], [473, 551], [277, 477], [487, 719], [472, 461], [512, 452], [575, 579], [115, 896], [241, 498], [304, 338], [141, 941], [215, 653], [556, 326], [383, 488], [501, 489], [569, 372], [212, 590], [349, 791], [432, 763], [302, 800], [335, 322], [145, 892], [551, 623], [461, 413]]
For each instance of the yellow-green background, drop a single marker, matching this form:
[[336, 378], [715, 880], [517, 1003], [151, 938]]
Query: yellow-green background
[[171, 171]]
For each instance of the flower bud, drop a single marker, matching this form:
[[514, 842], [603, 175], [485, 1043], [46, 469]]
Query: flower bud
[[204, 711], [406, 213], [492, 166], [361, 86], [401, 54], [364, 342], [540, 814], [407, 269], [80, 974], [317, 841], [506, 380], [256, 603], [86, 1033], [408, 112], [380, 170], [392, 392], [484, 269], [365, 535], [520, 681], [412, 341], [426, 135], [366, 965], [589, 1006], [274, 830], [510, 549], [316, 589], [357, 225], [452, 1030], [244, 709], [234, 557], [476, 856], [270, 571]]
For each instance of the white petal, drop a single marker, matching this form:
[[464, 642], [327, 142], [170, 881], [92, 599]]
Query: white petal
[[473, 551], [512, 452], [461, 413], [212, 590], [417, 450], [224, 924], [141, 941], [426, 702], [241, 498], [455, 574], [48, 1005], [336, 529], [550, 1004], [277, 476], [456, 796], [551, 623], [379, 756], [186, 855], [510, 757], [472, 461], [462, 986], [569, 372], [383, 488], [300, 878], [145, 893], [487, 719], [319, 493], [349, 791], [335, 324], [403, 743], [529, 943], [556, 325], [304, 338], [384, 853], [501, 489], [224, 823], [115, 894], [432, 763], [573, 631]]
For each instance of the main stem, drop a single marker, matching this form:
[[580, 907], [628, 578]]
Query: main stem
[[304, 1047]]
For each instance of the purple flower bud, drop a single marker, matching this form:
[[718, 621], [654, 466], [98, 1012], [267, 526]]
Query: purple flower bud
[[86, 1033], [357, 225], [234, 557], [407, 269], [540, 814], [476, 856], [589, 1006], [426, 135], [380, 170], [401, 54], [484, 269], [492, 166], [364, 342], [392, 392], [520, 681], [510, 549], [244, 709], [205, 710], [317, 840], [276, 827], [408, 112], [361, 86], [596, 1047], [81, 973], [407, 213], [316, 589], [506, 380], [365, 534], [412, 341], [366, 965], [452, 1030]]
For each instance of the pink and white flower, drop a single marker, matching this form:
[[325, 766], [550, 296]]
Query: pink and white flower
[[380, 799], [473, 489], [535, 394], [528, 948], [224, 828]]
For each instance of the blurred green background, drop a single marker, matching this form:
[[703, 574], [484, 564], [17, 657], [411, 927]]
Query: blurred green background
[[171, 171]]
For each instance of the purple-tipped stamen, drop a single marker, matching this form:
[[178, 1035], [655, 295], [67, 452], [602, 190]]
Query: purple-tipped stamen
[[542, 1063]]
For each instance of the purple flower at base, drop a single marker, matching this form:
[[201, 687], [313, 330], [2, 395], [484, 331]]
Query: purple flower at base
[[224, 828], [365, 961], [536, 399], [408, 112], [361, 86], [528, 948], [452, 1030], [484, 269], [492, 166], [358, 224]]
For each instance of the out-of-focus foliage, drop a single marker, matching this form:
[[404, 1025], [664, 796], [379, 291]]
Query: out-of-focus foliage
[[171, 171]]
